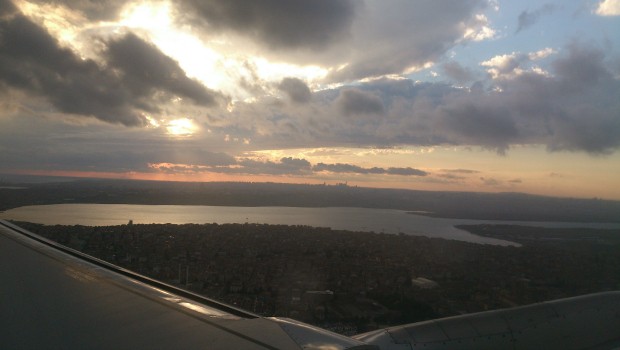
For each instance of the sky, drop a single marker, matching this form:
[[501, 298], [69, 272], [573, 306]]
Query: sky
[[471, 95]]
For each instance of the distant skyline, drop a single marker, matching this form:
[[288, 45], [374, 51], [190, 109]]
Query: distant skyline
[[474, 95]]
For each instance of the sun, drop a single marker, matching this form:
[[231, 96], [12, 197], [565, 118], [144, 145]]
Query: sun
[[181, 127]]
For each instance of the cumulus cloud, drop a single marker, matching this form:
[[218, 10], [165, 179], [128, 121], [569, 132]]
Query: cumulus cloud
[[480, 29], [296, 90], [457, 72], [608, 8], [527, 18], [355, 101], [34, 62], [405, 35], [469, 121], [280, 24], [572, 108], [146, 69], [511, 65]]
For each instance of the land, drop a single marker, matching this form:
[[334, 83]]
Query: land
[[352, 282], [463, 205]]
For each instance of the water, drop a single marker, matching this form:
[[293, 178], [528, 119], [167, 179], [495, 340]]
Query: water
[[352, 219]]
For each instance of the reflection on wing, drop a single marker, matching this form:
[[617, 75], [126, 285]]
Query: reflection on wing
[[54, 297]]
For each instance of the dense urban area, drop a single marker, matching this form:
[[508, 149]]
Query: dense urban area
[[352, 282]]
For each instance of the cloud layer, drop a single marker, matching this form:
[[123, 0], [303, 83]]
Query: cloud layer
[[382, 75], [136, 79]]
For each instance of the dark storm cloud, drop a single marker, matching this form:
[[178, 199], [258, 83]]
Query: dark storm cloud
[[354, 169], [354, 101], [457, 72], [146, 69], [278, 23], [32, 61], [529, 18], [7, 8], [296, 90]]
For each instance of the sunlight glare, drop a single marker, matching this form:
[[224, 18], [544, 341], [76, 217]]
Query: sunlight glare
[[181, 127]]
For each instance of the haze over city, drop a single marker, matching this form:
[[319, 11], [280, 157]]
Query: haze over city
[[476, 95]]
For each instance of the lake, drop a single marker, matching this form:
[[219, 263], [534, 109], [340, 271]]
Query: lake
[[352, 219]]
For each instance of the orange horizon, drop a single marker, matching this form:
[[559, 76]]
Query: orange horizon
[[213, 177]]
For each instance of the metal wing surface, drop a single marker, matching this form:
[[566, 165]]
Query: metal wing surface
[[52, 297]]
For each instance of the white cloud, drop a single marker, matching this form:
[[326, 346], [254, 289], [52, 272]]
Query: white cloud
[[546, 52], [608, 8], [511, 65], [480, 30], [502, 65]]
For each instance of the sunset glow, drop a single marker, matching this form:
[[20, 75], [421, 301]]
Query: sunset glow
[[486, 96]]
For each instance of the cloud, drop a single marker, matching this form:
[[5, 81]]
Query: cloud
[[354, 101], [99, 10], [490, 181], [572, 108], [280, 24], [457, 72], [336, 34], [470, 121], [406, 172], [479, 30], [146, 70], [354, 169], [608, 8], [121, 92], [527, 18], [97, 146], [405, 35], [460, 171], [296, 90], [285, 166], [508, 66], [33, 61]]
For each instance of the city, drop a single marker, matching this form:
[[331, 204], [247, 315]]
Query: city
[[351, 282]]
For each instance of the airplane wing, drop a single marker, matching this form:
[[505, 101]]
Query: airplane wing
[[54, 297]]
